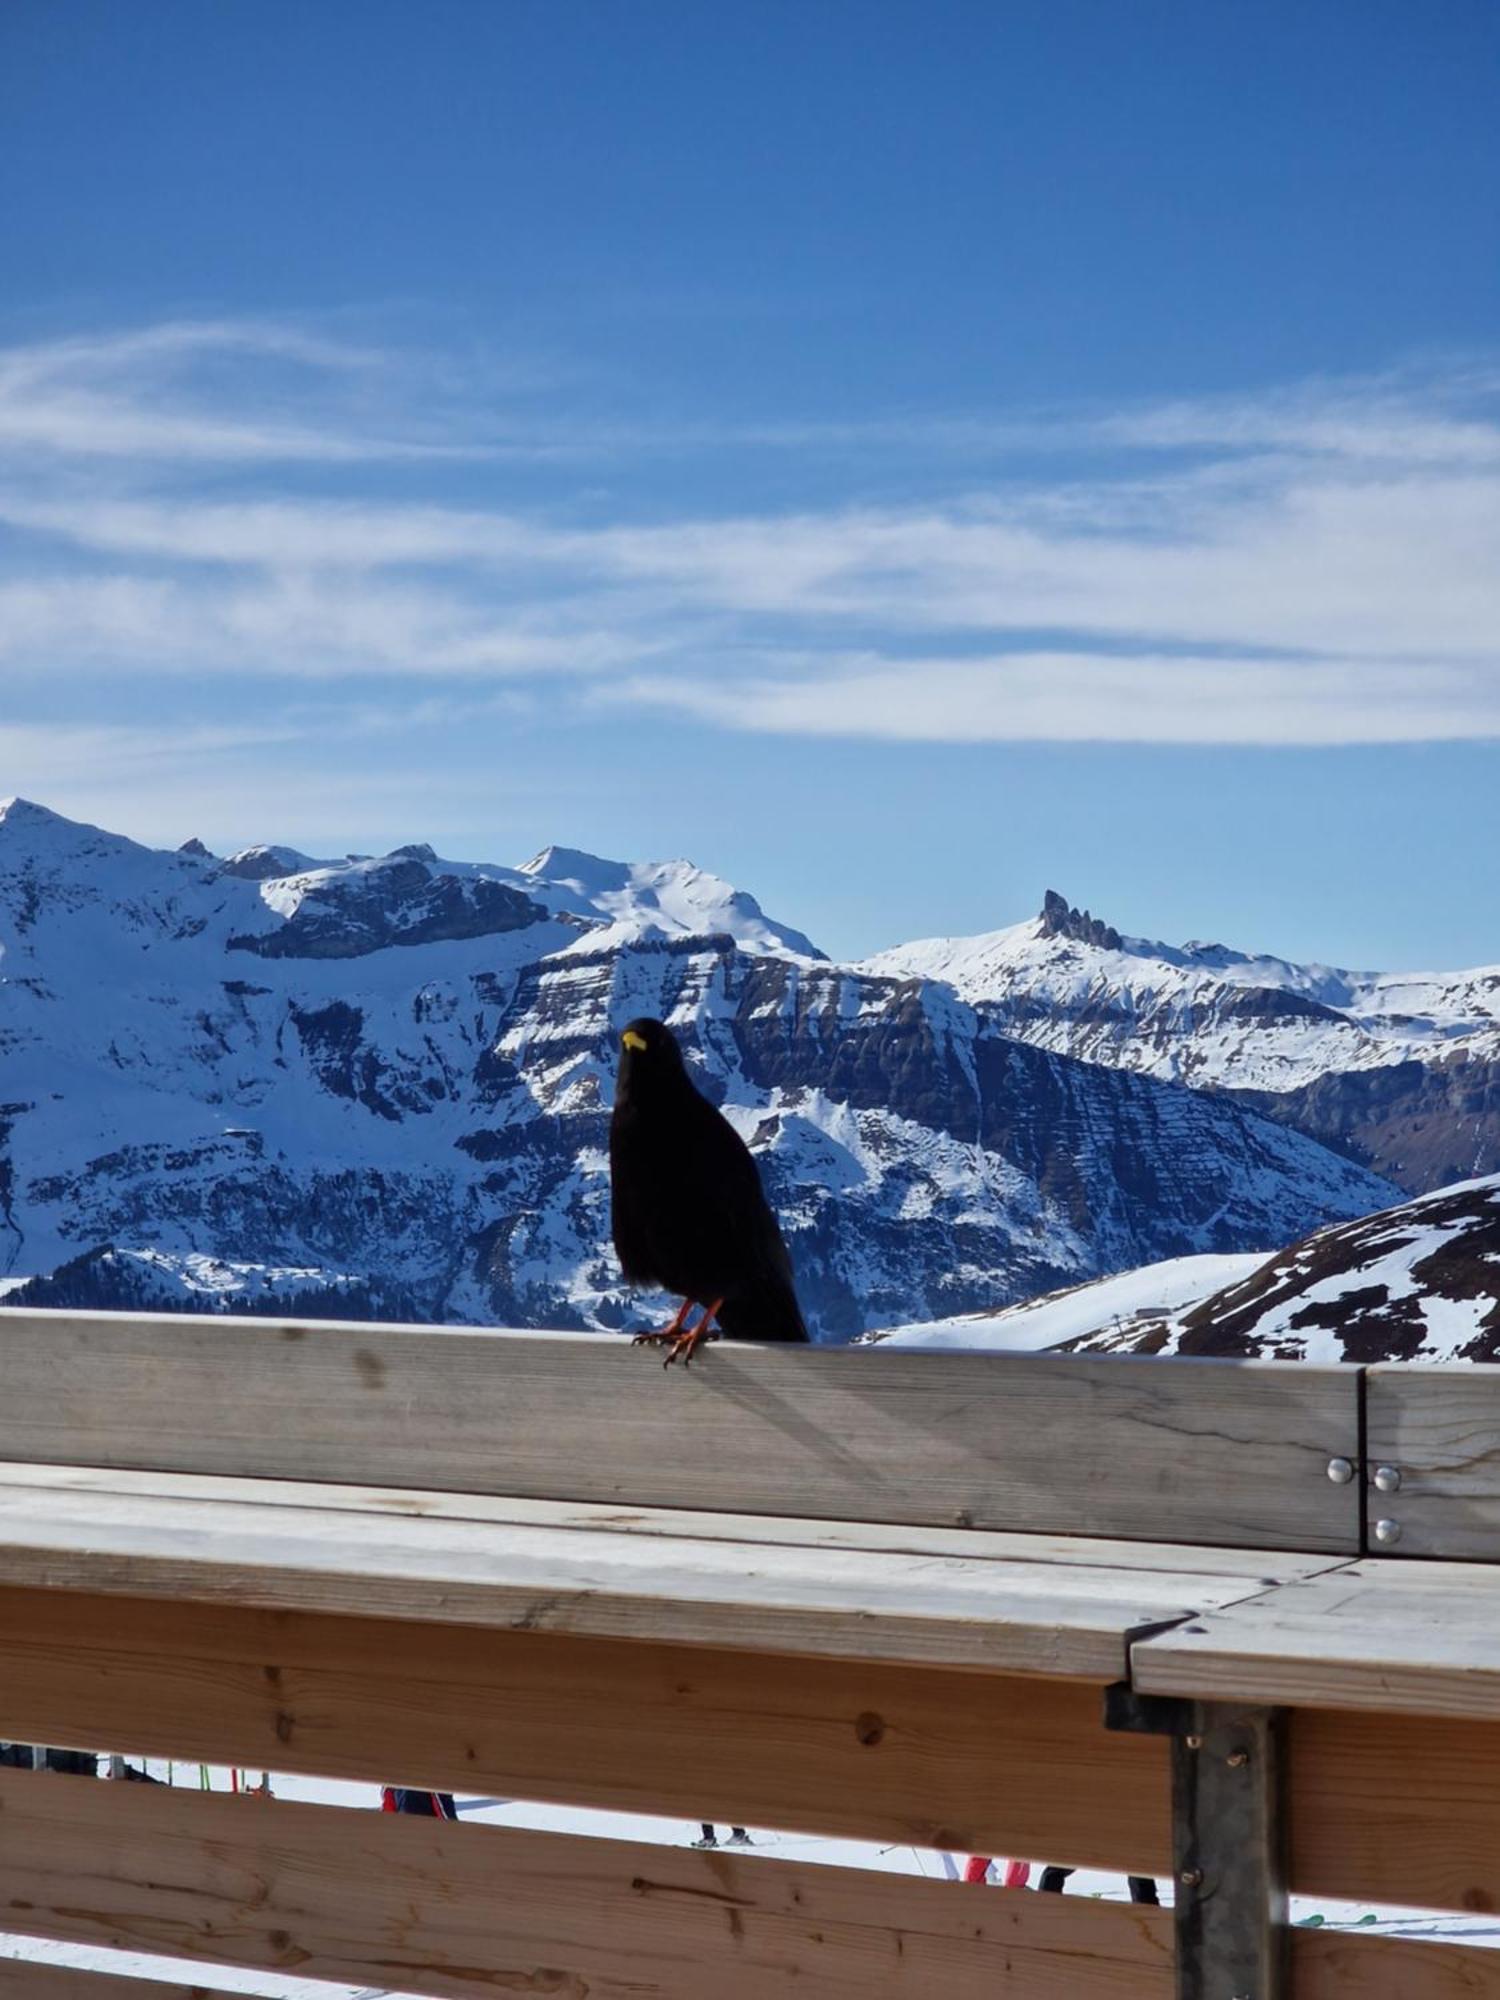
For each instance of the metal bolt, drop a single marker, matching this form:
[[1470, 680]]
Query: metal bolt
[[1191, 1878], [1387, 1533], [1237, 1759], [1387, 1479], [1193, 1742], [1340, 1471]]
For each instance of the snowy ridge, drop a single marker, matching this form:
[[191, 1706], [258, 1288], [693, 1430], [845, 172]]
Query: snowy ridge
[[1420, 1282], [394, 1073], [1417, 1282], [1129, 1298], [1203, 1013]]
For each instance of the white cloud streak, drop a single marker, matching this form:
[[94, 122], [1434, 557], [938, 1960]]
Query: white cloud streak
[[133, 396], [1315, 565], [1072, 698]]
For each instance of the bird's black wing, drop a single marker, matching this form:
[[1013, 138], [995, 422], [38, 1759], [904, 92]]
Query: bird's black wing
[[629, 1212], [761, 1303]]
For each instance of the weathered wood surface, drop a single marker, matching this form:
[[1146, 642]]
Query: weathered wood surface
[[923, 1757], [29, 1979], [1394, 1808], [1414, 1638], [466, 1911], [1012, 1611], [1439, 1428], [1173, 1559], [1195, 1451], [1333, 1965], [470, 1911]]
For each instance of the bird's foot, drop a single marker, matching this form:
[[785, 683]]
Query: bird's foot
[[668, 1334], [686, 1345]]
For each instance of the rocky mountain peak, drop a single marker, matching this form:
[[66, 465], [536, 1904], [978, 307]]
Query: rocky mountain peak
[[1060, 919]]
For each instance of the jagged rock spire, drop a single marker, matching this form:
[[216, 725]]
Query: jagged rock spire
[[1060, 919]]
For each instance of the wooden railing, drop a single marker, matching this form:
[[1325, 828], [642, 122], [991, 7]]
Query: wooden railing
[[1107, 1612]]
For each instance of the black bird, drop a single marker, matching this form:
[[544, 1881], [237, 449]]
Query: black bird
[[686, 1204]]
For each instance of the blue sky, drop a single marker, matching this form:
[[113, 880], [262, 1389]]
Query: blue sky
[[903, 456]]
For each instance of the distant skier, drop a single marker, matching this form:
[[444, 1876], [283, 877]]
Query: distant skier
[[1014, 1875], [1142, 1887], [426, 1805]]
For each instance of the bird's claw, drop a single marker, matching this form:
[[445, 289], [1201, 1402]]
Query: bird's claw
[[685, 1346]]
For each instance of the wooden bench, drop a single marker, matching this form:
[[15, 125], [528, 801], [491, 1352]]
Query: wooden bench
[[963, 1601]]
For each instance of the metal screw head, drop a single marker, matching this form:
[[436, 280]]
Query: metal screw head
[[1387, 1479], [1193, 1742], [1237, 1759], [1387, 1533], [1191, 1878], [1340, 1471]]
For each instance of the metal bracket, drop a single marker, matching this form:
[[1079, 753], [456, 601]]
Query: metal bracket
[[1228, 1840]]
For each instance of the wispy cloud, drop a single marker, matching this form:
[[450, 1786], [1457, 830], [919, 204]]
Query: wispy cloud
[[157, 393], [1072, 698], [1312, 565]]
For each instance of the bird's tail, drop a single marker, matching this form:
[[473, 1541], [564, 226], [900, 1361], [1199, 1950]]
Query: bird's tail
[[768, 1312]]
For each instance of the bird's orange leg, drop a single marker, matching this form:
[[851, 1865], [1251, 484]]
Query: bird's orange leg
[[671, 1334], [686, 1345]]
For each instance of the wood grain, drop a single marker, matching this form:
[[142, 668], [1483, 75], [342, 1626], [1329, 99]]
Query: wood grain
[[1409, 1638], [1172, 1559], [28, 1979], [472, 1911], [466, 1912], [1194, 1451], [1440, 1428], [1396, 1809], [1009, 1614], [919, 1756], [1330, 1965]]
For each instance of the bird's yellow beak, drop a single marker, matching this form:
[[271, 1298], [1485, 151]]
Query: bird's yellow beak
[[632, 1040]]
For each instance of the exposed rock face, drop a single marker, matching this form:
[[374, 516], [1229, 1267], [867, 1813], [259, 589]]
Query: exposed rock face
[[1400, 1071], [1418, 1282], [404, 900], [395, 1075], [1421, 1125], [1060, 919]]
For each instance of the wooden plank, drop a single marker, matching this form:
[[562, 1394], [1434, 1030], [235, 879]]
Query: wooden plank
[[922, 1757], [29, 1979], [1262, 1567], [1200, 1451], [1395, 1809], [1439, 1427], [464, 1912], [1393, 1794], [1405, 1637], [996, 1615], [1335, 1965], [1328, 1965]]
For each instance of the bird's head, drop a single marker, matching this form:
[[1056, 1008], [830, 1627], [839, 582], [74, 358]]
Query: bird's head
[[648, 1052]]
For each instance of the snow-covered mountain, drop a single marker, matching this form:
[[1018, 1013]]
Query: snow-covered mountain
[[1417, 1282], [384, 1083], [1420, 1282], [1401, 1070]]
